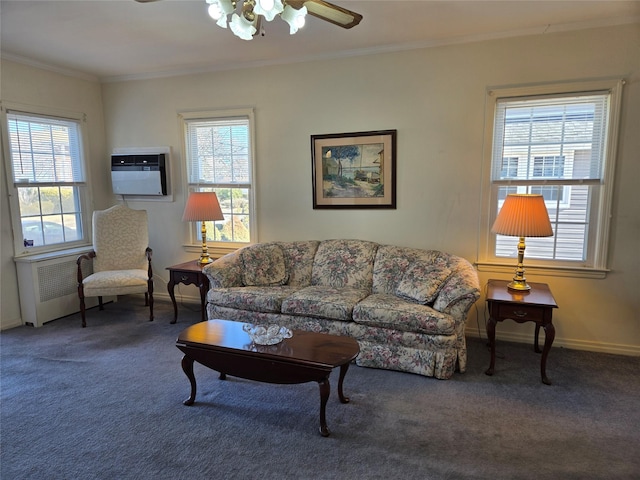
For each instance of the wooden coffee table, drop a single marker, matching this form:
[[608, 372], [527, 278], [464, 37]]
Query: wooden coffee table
[[225, 347]]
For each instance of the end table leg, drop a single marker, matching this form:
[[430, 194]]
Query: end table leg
[[170, 287], [549, 335], [187, 367], [536, 346], [325, 389], [491, 335]]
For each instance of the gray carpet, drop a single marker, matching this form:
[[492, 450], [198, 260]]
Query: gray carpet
[[105, 402]]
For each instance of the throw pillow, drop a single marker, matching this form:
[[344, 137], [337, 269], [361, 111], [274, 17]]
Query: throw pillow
[[264, 265], [422, 282]]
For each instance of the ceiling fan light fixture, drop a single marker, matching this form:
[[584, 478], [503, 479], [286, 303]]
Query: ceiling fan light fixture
[[295, 18], [247, 15]]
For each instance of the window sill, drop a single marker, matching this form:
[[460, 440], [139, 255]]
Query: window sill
[[560, 271], [215, 251]]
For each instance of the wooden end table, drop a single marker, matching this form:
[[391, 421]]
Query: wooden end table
[[535, 305], [223, 346], [189, 273]]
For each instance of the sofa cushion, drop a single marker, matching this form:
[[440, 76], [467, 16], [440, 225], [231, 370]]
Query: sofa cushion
[[298, 257], [263, 265], [391, 262], [344, 263], [324, 302], [422, 282], [255, 299], [392, 312]]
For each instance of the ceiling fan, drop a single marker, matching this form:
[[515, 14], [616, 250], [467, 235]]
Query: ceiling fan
[[248, 21]]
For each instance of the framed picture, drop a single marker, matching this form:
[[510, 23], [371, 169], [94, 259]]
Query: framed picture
[[354, 170]]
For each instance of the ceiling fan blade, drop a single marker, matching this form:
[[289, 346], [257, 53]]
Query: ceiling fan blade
[[328, 11], [146, 1]]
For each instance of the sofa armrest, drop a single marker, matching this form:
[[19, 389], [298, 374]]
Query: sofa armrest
[[225, 271], [460, 292]]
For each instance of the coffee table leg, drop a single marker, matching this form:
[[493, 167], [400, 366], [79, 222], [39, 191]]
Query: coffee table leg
[[187, 367], [325, 389], [343, 372]]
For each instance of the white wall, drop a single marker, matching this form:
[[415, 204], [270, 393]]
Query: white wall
[[435, 99], [26, 85]]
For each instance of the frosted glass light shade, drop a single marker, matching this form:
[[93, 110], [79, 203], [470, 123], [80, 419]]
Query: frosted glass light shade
[[295, 18], [268, 8], [241, 27], [219, 9]]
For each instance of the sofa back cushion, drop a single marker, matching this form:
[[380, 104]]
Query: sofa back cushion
[[411, 272], [298, 257], [263, 265], [422, 281], [344, 263]]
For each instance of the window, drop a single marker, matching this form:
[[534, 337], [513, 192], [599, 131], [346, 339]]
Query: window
[[219, 158], [47, 168], [558, 142]]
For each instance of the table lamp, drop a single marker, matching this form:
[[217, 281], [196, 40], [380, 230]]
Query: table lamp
[[522, 215], [203, 207]]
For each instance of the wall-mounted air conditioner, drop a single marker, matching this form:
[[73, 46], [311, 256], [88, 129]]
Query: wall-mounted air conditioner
[[139, 174]]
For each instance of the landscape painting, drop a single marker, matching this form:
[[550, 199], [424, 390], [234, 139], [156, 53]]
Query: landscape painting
[[354, 170]]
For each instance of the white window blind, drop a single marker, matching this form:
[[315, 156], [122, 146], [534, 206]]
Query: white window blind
[[558, 141], [219, 159], [219, 151], [45, 150]]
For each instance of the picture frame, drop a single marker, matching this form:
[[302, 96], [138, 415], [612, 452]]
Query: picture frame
[[354, 170]]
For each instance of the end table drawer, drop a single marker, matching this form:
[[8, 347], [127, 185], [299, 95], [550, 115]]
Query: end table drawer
[[186, 277], [519, 313]]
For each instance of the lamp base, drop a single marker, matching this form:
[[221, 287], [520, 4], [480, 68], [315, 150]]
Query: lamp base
[[519, 285], [205, 260]]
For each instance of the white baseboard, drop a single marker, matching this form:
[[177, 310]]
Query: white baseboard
[[617, 349], [11, 324]]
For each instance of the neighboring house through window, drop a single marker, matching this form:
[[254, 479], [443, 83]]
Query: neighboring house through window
[[558, 141], [219, 158], [47, 180]]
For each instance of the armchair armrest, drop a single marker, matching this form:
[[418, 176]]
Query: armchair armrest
[[79, 261], [148, 252]]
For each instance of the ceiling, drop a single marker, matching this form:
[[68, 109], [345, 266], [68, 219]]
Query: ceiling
[[121, 39]]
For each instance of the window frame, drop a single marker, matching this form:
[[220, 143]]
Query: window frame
[[598, 235], [219, 248], [84, 188]]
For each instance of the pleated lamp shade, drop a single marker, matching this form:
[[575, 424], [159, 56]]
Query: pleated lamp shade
[[523, 215], [202, 206]]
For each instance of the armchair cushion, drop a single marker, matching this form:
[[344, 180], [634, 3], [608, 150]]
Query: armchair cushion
[[117, 282]]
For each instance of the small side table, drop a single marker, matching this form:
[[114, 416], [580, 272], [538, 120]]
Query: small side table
[[189, 273], [535, 305]]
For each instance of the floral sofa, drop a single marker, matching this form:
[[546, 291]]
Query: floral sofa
[[406, 307]]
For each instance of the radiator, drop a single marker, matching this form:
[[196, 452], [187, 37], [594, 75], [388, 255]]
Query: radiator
[[48, 286]]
